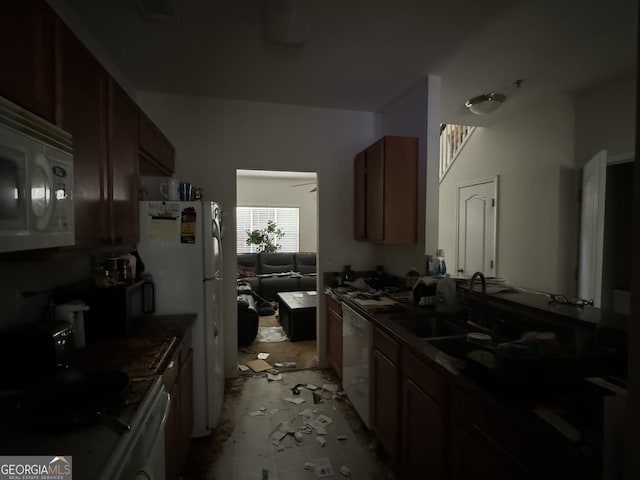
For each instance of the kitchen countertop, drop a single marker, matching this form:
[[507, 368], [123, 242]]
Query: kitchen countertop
[[143, 355], [518, 410]]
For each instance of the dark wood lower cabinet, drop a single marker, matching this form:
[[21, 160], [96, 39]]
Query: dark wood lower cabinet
[[334, 333], [424, 431], [179, 424], [386, 405]]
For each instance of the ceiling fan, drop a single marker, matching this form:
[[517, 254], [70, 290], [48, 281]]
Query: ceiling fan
[[314, 189]]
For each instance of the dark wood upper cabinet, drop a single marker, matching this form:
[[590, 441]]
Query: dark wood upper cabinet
[[82, 111], [123, 166], [156, 152], [27, 52], [386, 192], [360, 197]]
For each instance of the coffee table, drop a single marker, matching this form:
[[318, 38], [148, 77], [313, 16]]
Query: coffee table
[[298, 314]]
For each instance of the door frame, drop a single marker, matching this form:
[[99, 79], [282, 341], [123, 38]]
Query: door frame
[[496, 181]]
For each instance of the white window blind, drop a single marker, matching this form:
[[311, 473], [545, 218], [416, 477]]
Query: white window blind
[[251, 218]]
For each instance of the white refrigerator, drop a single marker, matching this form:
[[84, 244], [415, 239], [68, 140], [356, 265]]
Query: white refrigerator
[[180, 246]]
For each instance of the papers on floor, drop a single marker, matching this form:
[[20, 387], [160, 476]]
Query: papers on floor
[[272, 377], [285, 364], [295, 401], [263, 356], [242, 368]]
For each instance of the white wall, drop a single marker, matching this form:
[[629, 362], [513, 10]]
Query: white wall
[[532, 152], [278, 192], [606, 119], [415, 114], [213, 138]]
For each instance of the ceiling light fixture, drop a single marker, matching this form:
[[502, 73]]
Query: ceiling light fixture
[[484, 104]]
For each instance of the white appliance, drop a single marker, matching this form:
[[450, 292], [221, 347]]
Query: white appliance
[[357, 351], [36, 182], [180, 245]]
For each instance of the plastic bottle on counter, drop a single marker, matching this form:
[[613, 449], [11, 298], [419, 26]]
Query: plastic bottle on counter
[[440, 264], [347, 274]]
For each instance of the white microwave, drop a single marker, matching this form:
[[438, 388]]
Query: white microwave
[[36, 182]]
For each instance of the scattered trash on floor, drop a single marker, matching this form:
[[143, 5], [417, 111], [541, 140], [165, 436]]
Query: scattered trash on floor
[[309, 466], [341, 437], [323, 468], [331, 387], [258, 365], [310, 386], [242, 368], [270, 334], [281, 431], [296, 389], [272, 377], [257, 413], [344, 470], [285, 364], [295, 401], [321, 441], [263, 356], [320, 423], [317, 398], [273, 371]]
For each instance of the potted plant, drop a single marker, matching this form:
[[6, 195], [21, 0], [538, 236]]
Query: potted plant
[[265, 239]]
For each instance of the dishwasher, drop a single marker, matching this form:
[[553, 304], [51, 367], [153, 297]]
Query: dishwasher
[[357, 351]]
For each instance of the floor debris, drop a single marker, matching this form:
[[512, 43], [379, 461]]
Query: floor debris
[[341, 437], [285, 364], [321, 441], [242, 367], [295, 401], [323, 468], [271, 377], [344, 470], [317, 398], [263, 356]]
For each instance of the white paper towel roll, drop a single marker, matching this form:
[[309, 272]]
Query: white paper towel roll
[[73, 312]]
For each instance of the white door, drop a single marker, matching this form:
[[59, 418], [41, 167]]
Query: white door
[[594, 178], [476, 244]]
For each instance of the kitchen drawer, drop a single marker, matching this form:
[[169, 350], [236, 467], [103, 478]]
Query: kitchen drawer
[[425, 377], [387, 345], [334, 304]]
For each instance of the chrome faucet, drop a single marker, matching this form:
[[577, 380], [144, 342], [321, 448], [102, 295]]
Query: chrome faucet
[[475, 276]]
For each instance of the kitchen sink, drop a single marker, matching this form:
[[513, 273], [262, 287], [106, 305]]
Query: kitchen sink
[[425, 326], [455, 346]]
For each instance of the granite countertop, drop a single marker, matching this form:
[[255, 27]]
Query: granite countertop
[[162, 325], [518, 410], [147, 350]]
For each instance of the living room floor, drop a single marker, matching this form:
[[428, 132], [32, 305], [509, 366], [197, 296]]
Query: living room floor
[[303, 353]]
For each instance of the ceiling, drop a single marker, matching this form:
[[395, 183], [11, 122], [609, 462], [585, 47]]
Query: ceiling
[[361, 54]]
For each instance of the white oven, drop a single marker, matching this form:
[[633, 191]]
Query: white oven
[[36, 182], [357, 351]]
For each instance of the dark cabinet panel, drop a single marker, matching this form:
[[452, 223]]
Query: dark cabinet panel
[[123, 166], [360, 197], [27, 52], [386, 403], [386, 192], [334, 334], [156, 152], [425, 418], [82, 111]]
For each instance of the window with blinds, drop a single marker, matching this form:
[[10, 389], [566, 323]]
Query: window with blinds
[[251, 218]]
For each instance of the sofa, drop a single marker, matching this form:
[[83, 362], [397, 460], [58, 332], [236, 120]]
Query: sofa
[[271, 273]]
